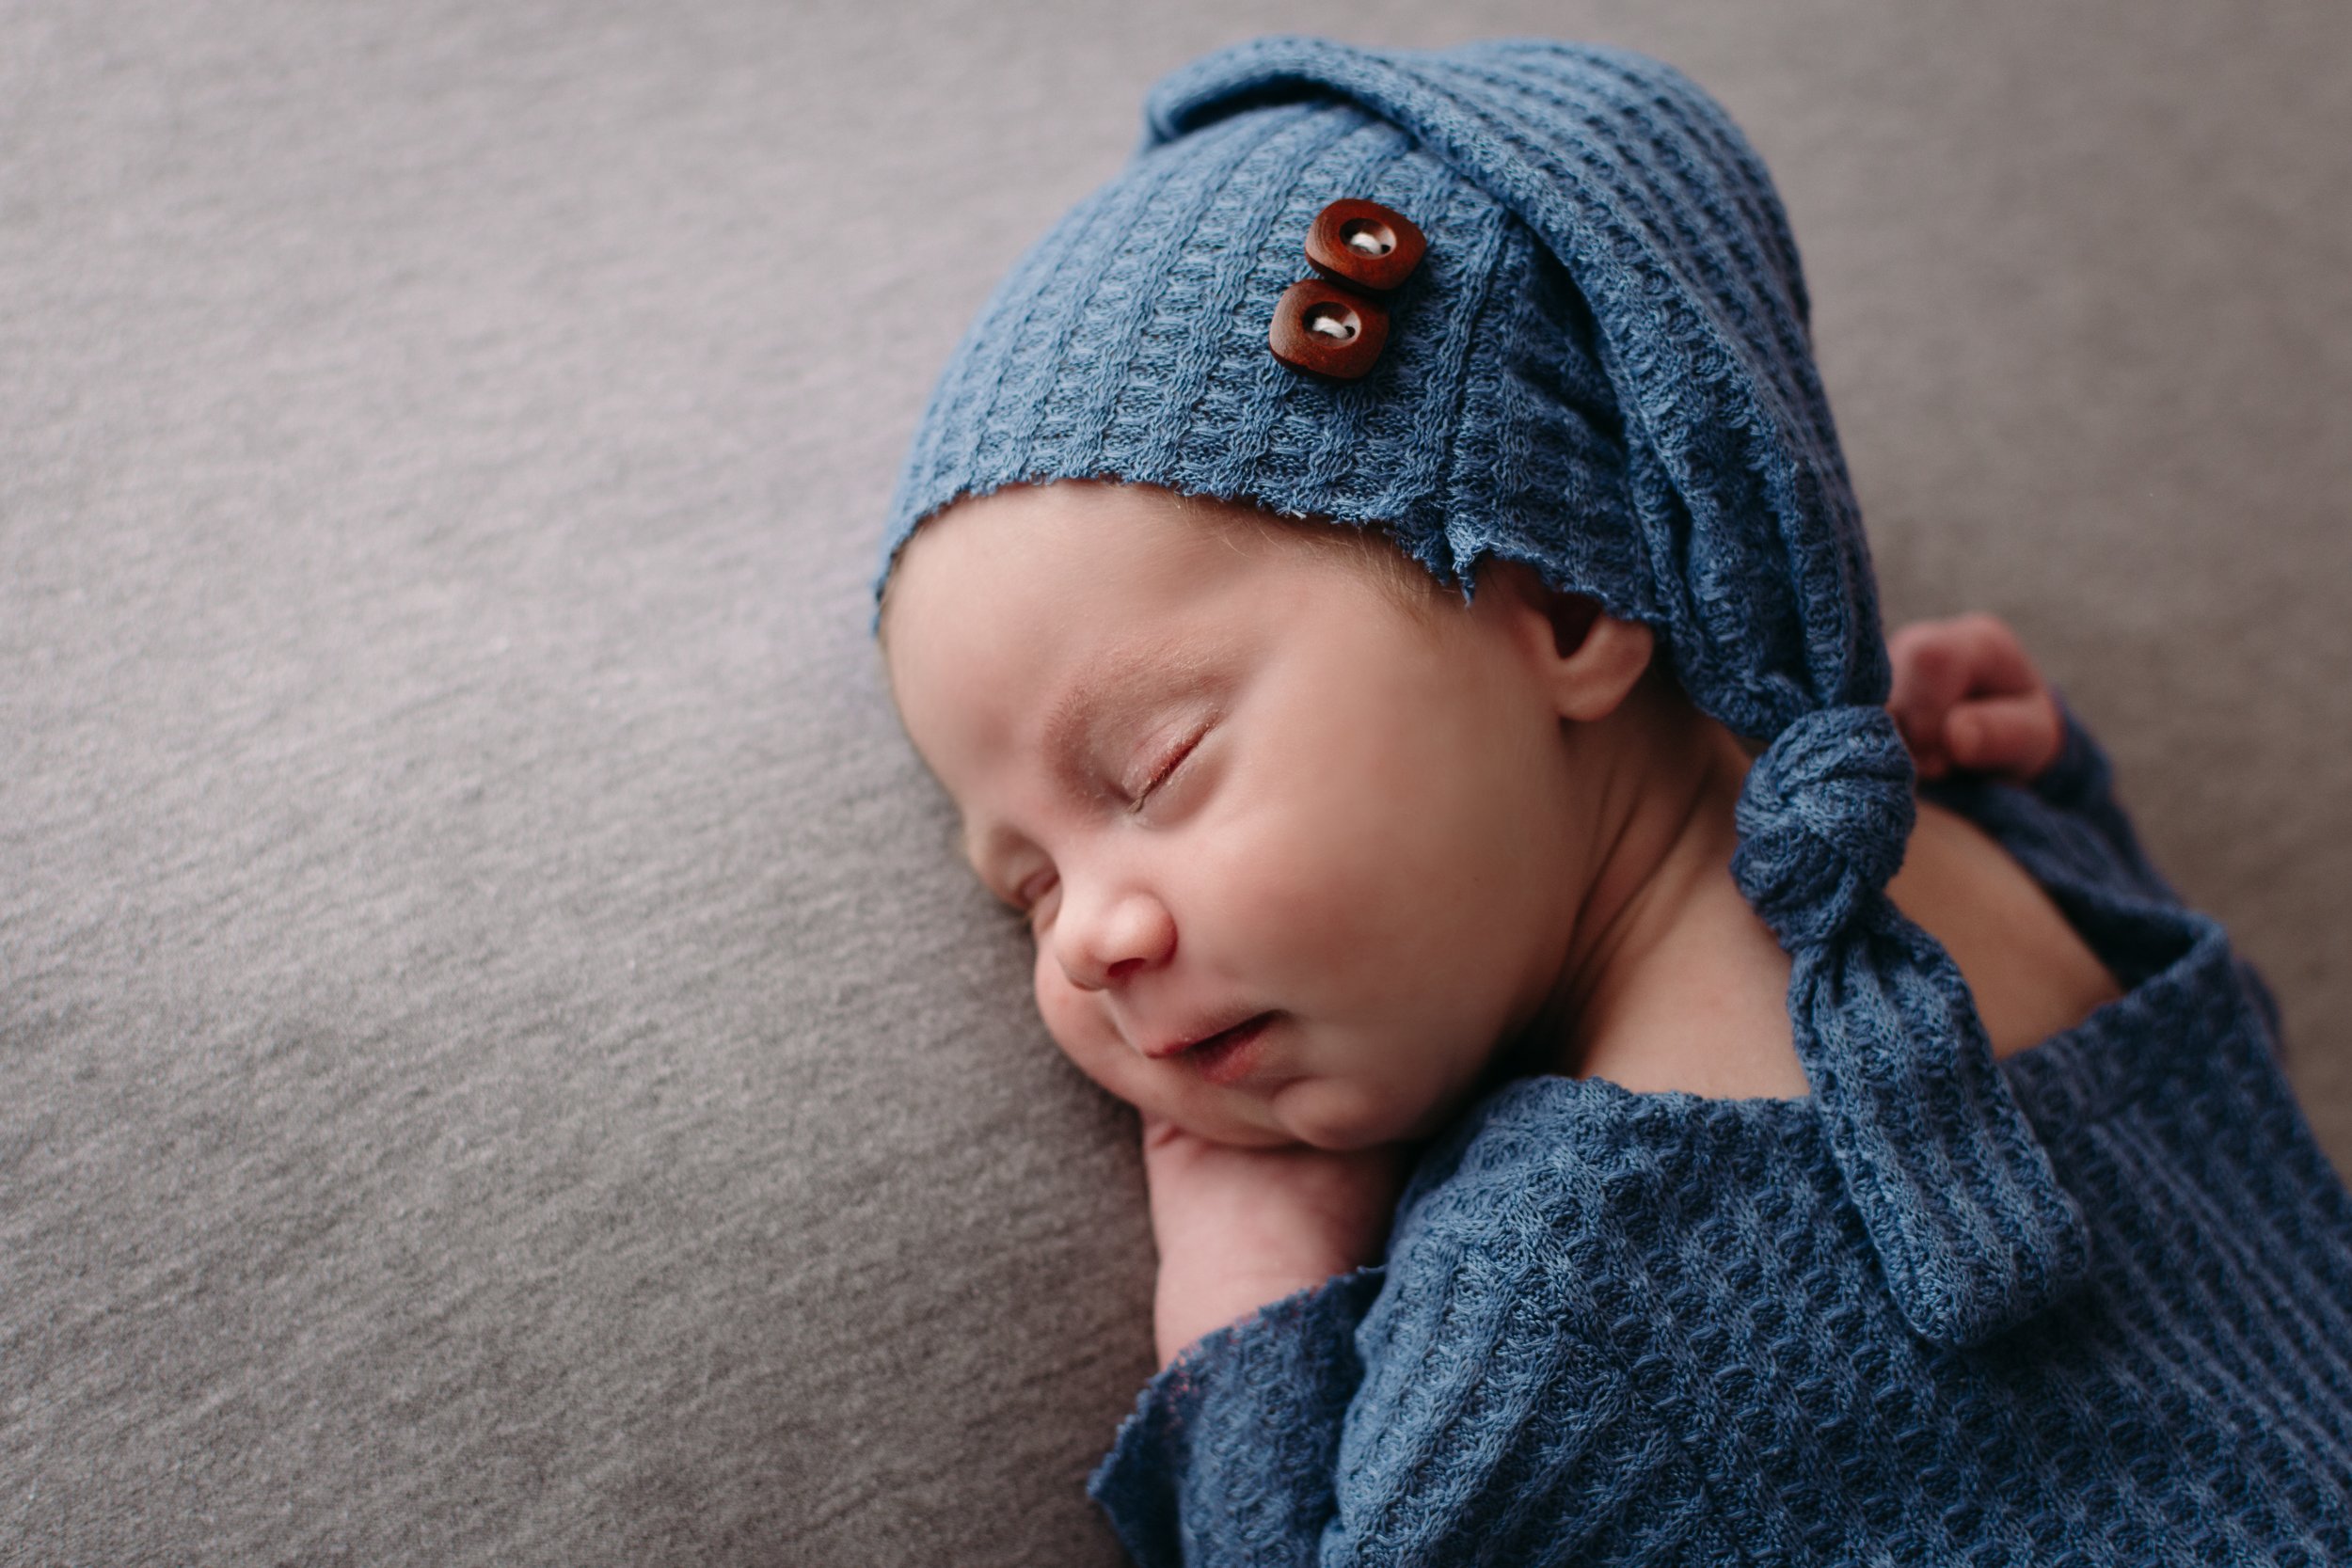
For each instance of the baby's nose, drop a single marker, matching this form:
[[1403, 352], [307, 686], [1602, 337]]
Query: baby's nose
[[1113, 940]]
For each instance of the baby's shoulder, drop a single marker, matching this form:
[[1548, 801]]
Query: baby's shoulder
[[2032, 973], [1714, 1019]]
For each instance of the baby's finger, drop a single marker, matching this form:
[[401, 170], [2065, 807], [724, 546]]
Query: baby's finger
[[1930, 668], [1995, 661], [2017, 737], [1931, 674]]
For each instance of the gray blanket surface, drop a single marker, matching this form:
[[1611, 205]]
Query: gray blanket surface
[[502, 1065]]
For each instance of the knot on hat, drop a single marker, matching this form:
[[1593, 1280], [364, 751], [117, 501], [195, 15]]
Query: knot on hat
[[1822, 820]]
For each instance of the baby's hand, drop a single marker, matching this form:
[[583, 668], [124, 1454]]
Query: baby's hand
[[1967, 697], [1241, 1228]]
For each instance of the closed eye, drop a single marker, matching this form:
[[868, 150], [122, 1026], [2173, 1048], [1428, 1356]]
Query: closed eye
[[1166, 768], [1030, 900]]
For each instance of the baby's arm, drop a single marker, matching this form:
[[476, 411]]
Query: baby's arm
[[1238, 1228]]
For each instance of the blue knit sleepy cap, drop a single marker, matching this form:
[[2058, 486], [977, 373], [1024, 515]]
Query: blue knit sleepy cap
[[1600, 369]]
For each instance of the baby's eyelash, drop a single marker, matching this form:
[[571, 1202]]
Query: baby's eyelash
[[1026, 903], [1167, 766]]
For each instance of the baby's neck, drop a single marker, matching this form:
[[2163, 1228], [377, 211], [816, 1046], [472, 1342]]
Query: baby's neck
[[1672, 981], [1670, 975]]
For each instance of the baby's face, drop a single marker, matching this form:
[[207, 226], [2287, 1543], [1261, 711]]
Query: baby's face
[[1298, 853]]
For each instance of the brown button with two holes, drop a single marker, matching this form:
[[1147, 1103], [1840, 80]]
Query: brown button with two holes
[[1364, 243], [1325, 330], [1334, 326]]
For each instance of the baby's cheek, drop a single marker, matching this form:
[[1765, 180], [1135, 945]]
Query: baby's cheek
[[1079, 1029], [1056, 1003], [1312, 890]]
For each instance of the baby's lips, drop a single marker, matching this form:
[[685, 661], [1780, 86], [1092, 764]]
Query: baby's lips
[[1231, 1055], [1176, 1045]]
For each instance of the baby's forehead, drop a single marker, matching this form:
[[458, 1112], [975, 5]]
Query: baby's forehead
[[1091, 511], [1003, 599]]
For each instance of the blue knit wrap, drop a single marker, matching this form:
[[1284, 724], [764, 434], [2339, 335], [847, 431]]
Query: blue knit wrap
[[1601, 368]]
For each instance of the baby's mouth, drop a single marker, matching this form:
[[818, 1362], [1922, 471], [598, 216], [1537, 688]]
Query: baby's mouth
[[1228, 1055]]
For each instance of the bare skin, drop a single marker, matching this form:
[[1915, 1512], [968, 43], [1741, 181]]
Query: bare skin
[[1687, 990], [1414, 842], [1687, 993]]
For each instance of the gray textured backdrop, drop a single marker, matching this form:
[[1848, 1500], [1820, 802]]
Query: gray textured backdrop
[[500, 1065]]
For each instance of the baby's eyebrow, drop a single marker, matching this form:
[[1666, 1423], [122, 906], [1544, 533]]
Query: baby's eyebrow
[[1126, 679]]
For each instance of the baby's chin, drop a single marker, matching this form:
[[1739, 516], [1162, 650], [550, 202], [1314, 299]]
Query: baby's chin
[[1220, 1126], [1299, 1117], [1339, 1117]]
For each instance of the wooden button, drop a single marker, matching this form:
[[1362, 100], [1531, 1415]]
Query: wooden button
[[1325, 330], [1365, 245]]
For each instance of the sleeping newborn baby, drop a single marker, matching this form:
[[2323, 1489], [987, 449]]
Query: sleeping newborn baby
[[1379, 584], [1313, 847]]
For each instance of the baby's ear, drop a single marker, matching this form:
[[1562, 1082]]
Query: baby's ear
[[1591, 659]]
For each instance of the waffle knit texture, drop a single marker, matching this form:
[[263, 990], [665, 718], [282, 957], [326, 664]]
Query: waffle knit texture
[[1616, 1328], [1600, 370]]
